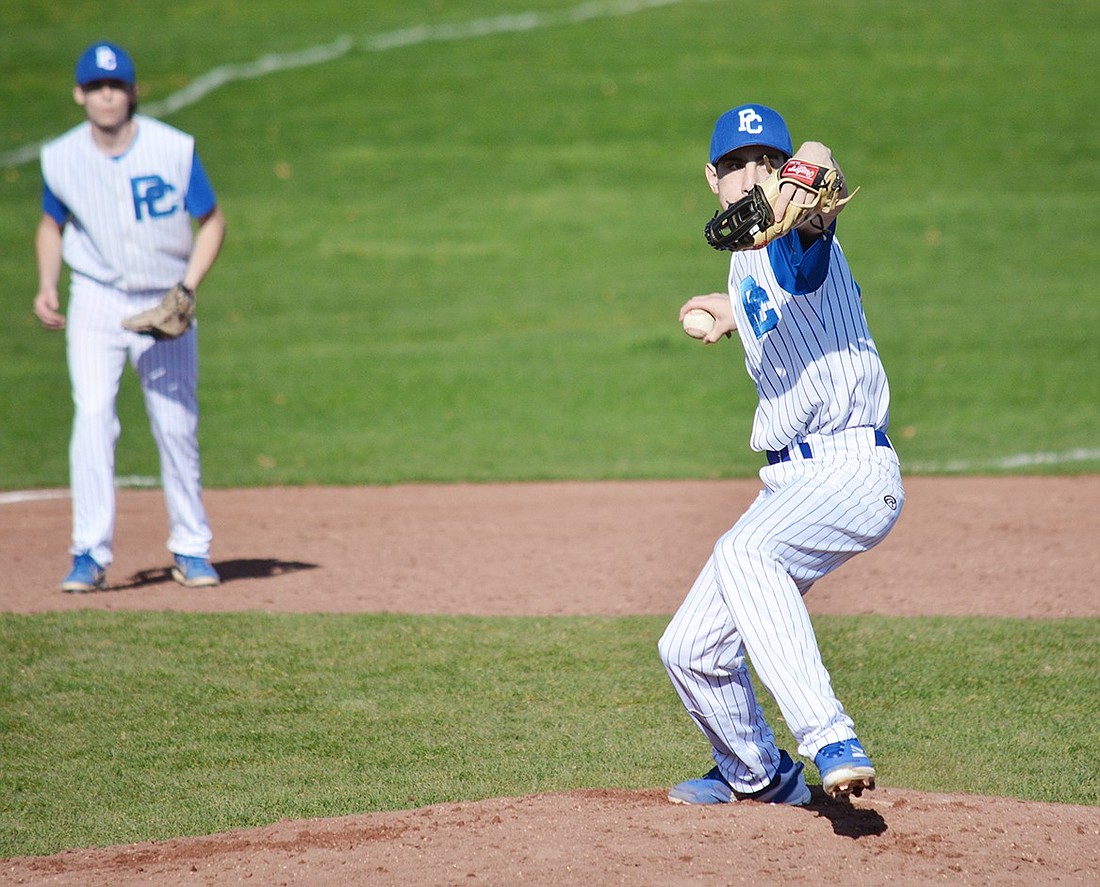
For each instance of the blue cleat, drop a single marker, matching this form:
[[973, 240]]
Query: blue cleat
[[195, 572], [845, 769], [787, 787], [86, 575], [709, 789]]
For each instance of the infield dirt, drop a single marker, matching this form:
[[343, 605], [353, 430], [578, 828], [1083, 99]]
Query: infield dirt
[[1021, 547]]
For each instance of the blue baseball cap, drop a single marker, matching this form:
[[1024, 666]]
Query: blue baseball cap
[[749, 125], [105, 61]]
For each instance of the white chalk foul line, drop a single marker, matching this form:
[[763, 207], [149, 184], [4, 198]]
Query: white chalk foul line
[[1005, 463], [272, 63], [14, 497], [954, 466], [127, 482]]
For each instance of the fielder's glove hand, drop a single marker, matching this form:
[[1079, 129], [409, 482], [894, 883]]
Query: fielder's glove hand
[[750, 223], [171, 318]]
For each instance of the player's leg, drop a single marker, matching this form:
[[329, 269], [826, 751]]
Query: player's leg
[[811, 521], [704, 657], [96, 355], [169, 379]]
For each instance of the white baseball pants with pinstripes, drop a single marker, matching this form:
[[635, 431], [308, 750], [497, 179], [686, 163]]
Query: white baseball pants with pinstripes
[[98, 349], [812, 515]]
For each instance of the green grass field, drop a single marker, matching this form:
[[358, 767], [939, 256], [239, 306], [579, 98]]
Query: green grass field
[[121, 727], [457, 253], [462, 259]]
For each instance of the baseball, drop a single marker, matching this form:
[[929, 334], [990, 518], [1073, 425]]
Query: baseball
[[698, 322]]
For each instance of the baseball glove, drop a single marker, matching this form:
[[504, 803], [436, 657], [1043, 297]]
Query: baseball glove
[[750, 223], [171, 318]]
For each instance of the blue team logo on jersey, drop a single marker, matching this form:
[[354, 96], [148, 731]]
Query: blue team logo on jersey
[[152, 197], [755, 301]]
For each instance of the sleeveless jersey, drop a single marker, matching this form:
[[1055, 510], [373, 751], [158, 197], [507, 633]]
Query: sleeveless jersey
[[129, 217]]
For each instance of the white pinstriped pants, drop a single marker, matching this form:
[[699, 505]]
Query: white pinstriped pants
[[98, 349], [812, 516]]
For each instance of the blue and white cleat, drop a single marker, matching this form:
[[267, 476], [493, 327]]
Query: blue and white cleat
[[86, 575], [195, 572], [787, 787], [709, 789], [845, 769]]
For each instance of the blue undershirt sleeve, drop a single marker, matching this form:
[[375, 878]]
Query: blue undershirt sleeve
[[200, 199], [800, 269], [53, 207]]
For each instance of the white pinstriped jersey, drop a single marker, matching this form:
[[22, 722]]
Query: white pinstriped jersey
[[811, 356], [128, 238], [129, 227]]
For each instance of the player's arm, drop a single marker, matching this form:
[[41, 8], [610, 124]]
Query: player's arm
[[47, 249], [815, 152], [815, 225], [203, 206], [209, 237]]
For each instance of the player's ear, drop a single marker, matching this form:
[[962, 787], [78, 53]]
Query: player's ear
[[712, 177], [78, 95]]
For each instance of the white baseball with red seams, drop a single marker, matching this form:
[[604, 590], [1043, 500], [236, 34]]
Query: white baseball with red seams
[[698, 322]]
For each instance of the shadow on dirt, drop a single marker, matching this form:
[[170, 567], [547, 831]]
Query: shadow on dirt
[[231, 570], [847, 821]]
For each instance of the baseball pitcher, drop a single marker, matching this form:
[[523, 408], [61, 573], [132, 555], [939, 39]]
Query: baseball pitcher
[[831, 486]]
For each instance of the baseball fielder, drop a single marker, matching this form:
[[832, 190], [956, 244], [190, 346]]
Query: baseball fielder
[[120, 192], [831, 489]]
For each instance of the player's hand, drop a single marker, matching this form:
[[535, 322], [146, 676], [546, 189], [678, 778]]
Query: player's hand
[[718, 304], [821, 155], [47, 308]]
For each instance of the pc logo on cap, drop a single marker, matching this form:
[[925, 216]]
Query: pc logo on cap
[[749, 125], [105, 61]]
